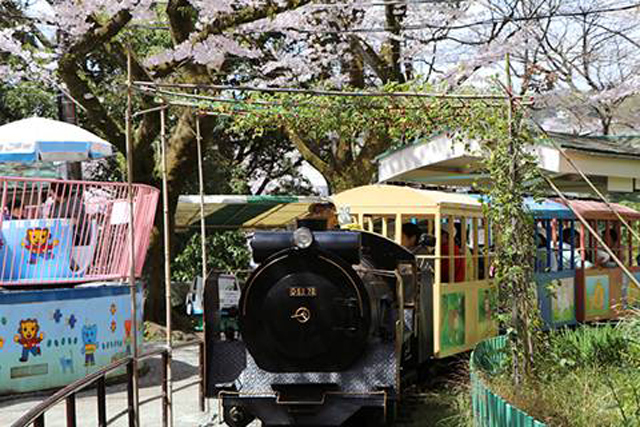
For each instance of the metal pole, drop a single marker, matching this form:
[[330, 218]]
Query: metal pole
[[167, 263], [132, 267], [203, 234]]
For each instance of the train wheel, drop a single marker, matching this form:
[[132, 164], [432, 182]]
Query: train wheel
[[370, 417]]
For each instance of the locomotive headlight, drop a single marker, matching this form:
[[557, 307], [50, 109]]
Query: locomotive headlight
[[302, 238]]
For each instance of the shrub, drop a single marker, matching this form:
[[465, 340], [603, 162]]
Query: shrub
[[587, 376]]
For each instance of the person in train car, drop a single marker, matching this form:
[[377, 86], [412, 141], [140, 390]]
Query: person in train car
[[459, 263], [566, 251], [603, 258], [418, 243]]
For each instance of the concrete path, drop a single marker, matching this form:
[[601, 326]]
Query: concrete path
[[186, 407]]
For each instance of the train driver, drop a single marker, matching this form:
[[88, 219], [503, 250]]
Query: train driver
[[326, 212]]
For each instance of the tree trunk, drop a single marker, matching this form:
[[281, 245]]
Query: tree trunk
[[348, 176]]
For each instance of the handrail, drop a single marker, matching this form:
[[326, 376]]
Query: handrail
[[67, 391], [35, 415]]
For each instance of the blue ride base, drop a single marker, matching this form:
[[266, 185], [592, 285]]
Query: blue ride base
[[52, 337]]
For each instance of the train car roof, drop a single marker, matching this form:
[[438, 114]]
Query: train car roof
[[227, 211], [400, 198], [545, 209], [591, 209], [548, 209]]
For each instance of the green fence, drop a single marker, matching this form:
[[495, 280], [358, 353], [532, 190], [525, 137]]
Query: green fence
[[489, 409]]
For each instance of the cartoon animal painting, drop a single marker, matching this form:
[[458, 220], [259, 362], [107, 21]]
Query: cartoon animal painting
[[1, 343], [39, 243], [29, 338], [90, 344], [66, 363]]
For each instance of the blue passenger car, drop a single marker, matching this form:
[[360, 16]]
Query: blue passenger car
[[556, 260]]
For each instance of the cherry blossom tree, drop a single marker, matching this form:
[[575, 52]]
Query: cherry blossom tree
[[80, 47], [583, 57]]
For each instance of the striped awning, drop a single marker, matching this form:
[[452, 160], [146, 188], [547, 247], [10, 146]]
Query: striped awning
[[243, 211]]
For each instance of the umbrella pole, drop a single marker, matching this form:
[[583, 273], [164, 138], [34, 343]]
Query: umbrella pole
[[203, 230], [132, 268], [167, 263]]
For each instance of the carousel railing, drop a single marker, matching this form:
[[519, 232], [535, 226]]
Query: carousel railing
[[56, 232]]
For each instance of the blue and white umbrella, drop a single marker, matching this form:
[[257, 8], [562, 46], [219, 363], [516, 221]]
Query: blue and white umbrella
[[38, 139]]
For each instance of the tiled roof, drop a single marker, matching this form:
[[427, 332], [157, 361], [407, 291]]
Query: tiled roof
[[623, 145]]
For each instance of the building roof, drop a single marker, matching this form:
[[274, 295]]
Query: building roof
[[611, 162], [622, 145]]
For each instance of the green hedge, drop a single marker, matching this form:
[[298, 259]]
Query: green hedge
[[489, 409]]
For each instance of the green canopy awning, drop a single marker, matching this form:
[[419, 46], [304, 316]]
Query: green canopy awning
[[34, 170], [243, 211]]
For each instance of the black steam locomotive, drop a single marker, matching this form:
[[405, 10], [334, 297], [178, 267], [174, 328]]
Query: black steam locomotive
[[328, 325]]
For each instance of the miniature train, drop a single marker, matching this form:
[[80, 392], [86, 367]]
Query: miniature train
[[334, 323]]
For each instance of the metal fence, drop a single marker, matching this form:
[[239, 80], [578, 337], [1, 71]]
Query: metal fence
[[37, 415], [55, 231], [489, 409]]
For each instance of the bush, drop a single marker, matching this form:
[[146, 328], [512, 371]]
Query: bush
[[587, 376], [599, 346]]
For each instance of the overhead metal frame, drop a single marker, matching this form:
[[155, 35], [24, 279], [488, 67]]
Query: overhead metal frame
[[157, 88]]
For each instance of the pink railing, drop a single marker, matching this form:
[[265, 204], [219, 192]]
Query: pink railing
[[54, 231]]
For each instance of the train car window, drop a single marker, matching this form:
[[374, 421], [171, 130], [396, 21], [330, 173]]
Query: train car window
[[391, 228], [453, 263], [566, 244], [475, 247], [613, 235], [546, 257], [377, 225]]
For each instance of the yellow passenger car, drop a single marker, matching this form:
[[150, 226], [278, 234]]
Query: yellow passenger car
[[455, 298]]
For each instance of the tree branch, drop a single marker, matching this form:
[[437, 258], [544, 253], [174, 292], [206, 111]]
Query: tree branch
[[230, 20], [180, 13], [100, 34], [307, 153], [371, 58], [82, 93]]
